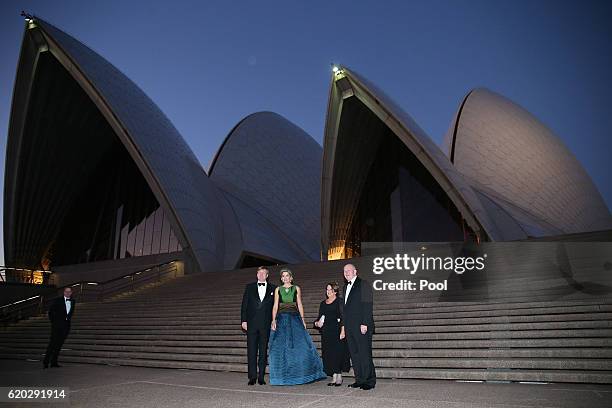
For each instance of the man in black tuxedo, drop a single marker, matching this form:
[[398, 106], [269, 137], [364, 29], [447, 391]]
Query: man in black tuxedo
[[60, 313], [256, 317], [359, 327]]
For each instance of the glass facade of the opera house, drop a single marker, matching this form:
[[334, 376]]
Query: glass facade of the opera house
[[82, 198], [400, 201], [118, 216]]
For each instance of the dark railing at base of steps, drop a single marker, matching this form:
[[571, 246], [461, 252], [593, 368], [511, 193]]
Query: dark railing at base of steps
[[88, 291]]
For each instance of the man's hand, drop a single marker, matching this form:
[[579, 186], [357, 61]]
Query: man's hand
[[244, 326], [273, 325], [342, 333], [364, 329]]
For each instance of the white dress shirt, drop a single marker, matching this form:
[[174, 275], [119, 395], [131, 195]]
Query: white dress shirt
[[348, 289], [262, 290], [68, 304]]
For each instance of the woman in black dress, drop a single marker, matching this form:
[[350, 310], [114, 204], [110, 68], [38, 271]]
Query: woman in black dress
[[333, 343]]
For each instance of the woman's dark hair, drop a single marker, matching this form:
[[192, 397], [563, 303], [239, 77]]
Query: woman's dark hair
[[335, 287]]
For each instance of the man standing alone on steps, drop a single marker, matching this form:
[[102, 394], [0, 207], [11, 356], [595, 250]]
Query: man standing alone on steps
[[256, 318], [359, 327], [60, 313]]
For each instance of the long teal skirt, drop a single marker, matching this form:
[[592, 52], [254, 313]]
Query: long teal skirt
[[293, 356]]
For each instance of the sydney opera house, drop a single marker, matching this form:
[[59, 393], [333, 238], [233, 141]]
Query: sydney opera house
[[96, 173]]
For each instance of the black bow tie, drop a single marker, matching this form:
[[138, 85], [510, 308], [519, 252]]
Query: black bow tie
[[349, 283], [68, 300], [261, 284]]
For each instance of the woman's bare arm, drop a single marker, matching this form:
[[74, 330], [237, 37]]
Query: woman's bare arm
[[299, 304], [275, 309]]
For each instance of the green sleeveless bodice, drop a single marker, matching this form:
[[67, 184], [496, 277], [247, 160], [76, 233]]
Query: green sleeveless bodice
[[287, 302], [287, 296]]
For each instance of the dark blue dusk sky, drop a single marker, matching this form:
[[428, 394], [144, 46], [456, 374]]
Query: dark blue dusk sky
[[207, 64]]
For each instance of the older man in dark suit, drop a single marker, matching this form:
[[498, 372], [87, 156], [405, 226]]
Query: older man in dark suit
[[359, 327]]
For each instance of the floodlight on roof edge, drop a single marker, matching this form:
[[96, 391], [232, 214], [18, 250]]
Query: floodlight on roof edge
[[337, 69]]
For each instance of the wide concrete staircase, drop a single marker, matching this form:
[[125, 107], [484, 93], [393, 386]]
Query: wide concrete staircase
[[193, 322]]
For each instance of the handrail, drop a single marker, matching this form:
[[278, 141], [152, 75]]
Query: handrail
[[87, 291]]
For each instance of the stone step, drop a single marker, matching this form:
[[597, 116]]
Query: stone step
[[236, 330], [181, 321], [555, 376], [547, 343], [382, 303], [506, 286], [535, 353], [515, 363], [312, 309], [499, 323], [384, 314], [557, 289], [190, 335]]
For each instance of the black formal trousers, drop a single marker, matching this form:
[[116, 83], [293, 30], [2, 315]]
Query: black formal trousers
[[257, 341], [59, 332], [360, 348]]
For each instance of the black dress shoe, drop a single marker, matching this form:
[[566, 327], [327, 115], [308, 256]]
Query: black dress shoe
[[252, 382], [355, 385], [55, 365], [337, 385], [45, 365], [366, 387], [261, 382]]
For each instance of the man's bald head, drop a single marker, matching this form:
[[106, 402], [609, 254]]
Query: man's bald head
[[349, 271]]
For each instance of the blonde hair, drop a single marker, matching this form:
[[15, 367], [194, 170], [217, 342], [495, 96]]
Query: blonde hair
[[288, 271]]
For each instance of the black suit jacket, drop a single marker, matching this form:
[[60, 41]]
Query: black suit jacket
[[57, 311], [358, 308], [256, 313]]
